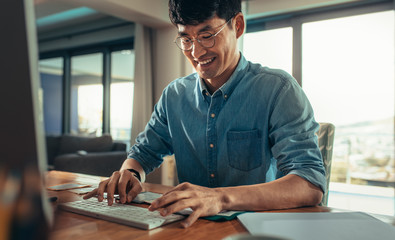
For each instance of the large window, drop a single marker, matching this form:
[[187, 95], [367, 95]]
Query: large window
[[348, 75], [259, 48], [89, 92], [346, 61], [122, 89]]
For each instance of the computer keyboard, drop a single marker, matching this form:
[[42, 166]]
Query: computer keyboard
[[144, 197], [120, 213]]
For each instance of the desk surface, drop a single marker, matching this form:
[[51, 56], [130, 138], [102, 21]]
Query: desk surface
[[74, 226]]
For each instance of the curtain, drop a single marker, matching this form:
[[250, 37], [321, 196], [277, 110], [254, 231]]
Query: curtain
[[143, 93]]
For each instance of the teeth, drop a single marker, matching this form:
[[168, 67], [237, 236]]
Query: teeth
[[207, 61]]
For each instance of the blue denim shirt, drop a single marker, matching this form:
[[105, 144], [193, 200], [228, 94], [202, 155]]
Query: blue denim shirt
[[257, 127]]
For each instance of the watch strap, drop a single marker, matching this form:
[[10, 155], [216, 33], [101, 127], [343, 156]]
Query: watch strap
[[135, 173]]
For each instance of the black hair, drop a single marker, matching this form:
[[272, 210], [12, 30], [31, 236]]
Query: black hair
[[194, 12]]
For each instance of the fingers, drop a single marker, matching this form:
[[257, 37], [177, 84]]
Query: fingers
[[167, 199], [112, 187], [124, 183], [128, 187], [203, 201], [122, 187], [90, 194], [180, 192], [101, 189], [180, 205], [97, 191], [135, 190], [191, 219]]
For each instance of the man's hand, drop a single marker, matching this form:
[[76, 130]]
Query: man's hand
[[203, 201], [122, 182]]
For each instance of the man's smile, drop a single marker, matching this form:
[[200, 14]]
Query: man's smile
[[205, 62]]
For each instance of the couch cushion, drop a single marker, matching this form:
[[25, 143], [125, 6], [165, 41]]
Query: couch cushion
[[72, 144], [100, 164]]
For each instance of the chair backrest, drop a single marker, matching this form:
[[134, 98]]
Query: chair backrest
[[326, 135]]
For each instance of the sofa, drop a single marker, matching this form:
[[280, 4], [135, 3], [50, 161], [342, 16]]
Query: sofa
[[90, 155]]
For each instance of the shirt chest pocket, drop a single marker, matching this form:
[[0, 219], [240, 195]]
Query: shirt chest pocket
[[244, 149]]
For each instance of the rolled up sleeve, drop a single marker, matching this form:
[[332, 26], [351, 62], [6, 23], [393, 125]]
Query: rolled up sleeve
[[292, 134], [154, 142]]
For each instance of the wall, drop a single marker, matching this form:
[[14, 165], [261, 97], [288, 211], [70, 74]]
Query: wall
[[52, 87], [169, 62]]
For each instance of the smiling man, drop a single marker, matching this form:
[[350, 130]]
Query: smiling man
[[243, 135]]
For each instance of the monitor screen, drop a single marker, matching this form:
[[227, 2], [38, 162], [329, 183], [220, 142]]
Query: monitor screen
[[24, 208]]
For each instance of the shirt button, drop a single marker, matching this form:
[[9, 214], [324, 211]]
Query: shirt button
[[225, 96], [213, 115], [212, 175], [211, 145], [206, 93]]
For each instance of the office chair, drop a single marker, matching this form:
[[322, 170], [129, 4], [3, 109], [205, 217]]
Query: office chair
[[326, 135]]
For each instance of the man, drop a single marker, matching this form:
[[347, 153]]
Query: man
[[243, 135]]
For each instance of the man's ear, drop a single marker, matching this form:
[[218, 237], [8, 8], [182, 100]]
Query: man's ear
[[239, 25]]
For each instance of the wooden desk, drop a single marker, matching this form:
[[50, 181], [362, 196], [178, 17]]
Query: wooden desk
[[74, 226]]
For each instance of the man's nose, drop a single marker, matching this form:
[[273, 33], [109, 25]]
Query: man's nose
[[197, 50]]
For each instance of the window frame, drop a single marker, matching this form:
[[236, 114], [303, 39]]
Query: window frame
[[297, 19], [106, 49]]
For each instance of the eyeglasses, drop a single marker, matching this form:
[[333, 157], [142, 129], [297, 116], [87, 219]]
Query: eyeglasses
[[205, 39]]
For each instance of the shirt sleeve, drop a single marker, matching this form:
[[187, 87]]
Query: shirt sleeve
[[292, 133], [154, 142]]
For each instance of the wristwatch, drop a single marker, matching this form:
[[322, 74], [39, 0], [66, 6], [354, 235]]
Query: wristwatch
[[135, 173]]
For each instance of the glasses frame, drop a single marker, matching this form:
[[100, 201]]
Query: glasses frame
[[199, 41]]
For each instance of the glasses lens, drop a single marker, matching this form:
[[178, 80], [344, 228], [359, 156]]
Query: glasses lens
[[184, 43], [206, 40]]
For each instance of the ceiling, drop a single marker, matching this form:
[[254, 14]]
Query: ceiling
[[54, 14]]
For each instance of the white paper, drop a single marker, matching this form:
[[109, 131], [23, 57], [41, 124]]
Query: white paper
[[306, 226]]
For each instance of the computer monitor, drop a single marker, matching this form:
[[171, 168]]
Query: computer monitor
[[24, 209]]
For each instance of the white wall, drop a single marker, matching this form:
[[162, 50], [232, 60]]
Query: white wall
[[169, 62]]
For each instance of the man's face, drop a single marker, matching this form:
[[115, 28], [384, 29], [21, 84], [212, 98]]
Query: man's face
[[217, 63]]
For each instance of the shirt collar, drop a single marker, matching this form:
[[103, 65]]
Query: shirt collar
[[235, 78], [232, 82], [203, 86]]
